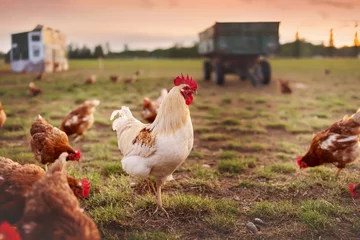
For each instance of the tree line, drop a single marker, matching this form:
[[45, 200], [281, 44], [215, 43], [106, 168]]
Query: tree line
[[177, 51], [296, 49]]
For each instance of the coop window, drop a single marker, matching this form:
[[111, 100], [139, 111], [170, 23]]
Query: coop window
[[36, 52], [35, 38]]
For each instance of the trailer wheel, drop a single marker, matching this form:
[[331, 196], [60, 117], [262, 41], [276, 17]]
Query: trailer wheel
[[266, 71], [207, 70], [219, 73]]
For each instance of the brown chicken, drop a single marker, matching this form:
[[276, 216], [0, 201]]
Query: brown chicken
[[131, 79], [339, 144], [284, 86], [8, 232], [137, 73], [114, 78], [53, 212], [354, 190], [90, 80], [48, 142], [40, 76], [2, 116], [16, 180], [33, 90], [150, 108], [80, 119]]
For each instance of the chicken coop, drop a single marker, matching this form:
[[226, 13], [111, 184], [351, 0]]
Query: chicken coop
[[239, 48], [41, 50]]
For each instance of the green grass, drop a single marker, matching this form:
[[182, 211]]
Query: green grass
[[236, 165]]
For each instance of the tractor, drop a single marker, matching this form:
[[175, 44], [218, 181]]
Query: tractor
[[239, 48]]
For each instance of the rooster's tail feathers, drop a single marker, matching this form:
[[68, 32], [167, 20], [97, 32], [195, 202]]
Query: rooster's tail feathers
[[125, 115]]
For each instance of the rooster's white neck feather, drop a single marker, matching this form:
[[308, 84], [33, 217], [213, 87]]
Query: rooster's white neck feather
[[173, 113]]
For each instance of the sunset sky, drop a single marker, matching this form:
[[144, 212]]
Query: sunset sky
[[148, 24]]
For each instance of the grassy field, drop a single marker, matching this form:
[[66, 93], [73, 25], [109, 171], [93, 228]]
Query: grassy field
[[243, 162]]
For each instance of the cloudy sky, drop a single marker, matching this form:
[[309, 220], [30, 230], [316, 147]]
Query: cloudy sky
[[149, 24]]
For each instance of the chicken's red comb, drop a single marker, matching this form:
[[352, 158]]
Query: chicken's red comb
[[78, 154], [298, 160], [85, 187], [8, 232], [351, 188], [185, 80], [146, 101]]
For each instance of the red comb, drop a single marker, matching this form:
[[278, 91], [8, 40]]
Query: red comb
[[351, 188], [8, 232], [298, 160], [146, 101], [85, 187], [78, 153], [185, 80]]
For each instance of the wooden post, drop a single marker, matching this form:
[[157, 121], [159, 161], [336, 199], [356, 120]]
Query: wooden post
[[101, 64]]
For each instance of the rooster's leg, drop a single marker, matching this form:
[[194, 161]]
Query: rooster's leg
[[158, 198], [151, 186], [338, 172], [46, 167], [78, 138]]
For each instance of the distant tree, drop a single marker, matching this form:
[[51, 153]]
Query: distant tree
[[331, 47], [84, 52], [98, 52], [297, 46]]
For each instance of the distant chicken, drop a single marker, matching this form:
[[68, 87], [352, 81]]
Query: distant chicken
[[114, 78], [16, 181], [338, 144], [40, 76], [327, 71], [48, 142], [90, 80], [8, 232], [158, 149], [33, 90], [2, 116], [137, 73], [284, 86], [53, 212], [354, 190], [131, 79], [150, 108], [80, 119]]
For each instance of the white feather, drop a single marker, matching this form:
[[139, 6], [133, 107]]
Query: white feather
[[348, 139], [329, 141]]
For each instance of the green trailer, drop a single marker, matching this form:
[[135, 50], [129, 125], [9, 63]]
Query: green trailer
[[239, 48]]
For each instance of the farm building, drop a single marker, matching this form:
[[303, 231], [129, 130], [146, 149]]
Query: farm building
[[40, 50]]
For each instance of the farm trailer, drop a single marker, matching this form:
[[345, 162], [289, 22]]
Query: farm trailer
[[239, 47]]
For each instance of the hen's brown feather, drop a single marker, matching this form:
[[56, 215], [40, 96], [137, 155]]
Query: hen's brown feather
[[53, 212]]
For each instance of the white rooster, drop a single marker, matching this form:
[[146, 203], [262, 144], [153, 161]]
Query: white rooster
[[159, 148]]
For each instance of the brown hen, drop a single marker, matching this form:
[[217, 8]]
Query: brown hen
[[53, 212], [2, 116], [338, 144], [48, 142], [16, 180], [80, 119]]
